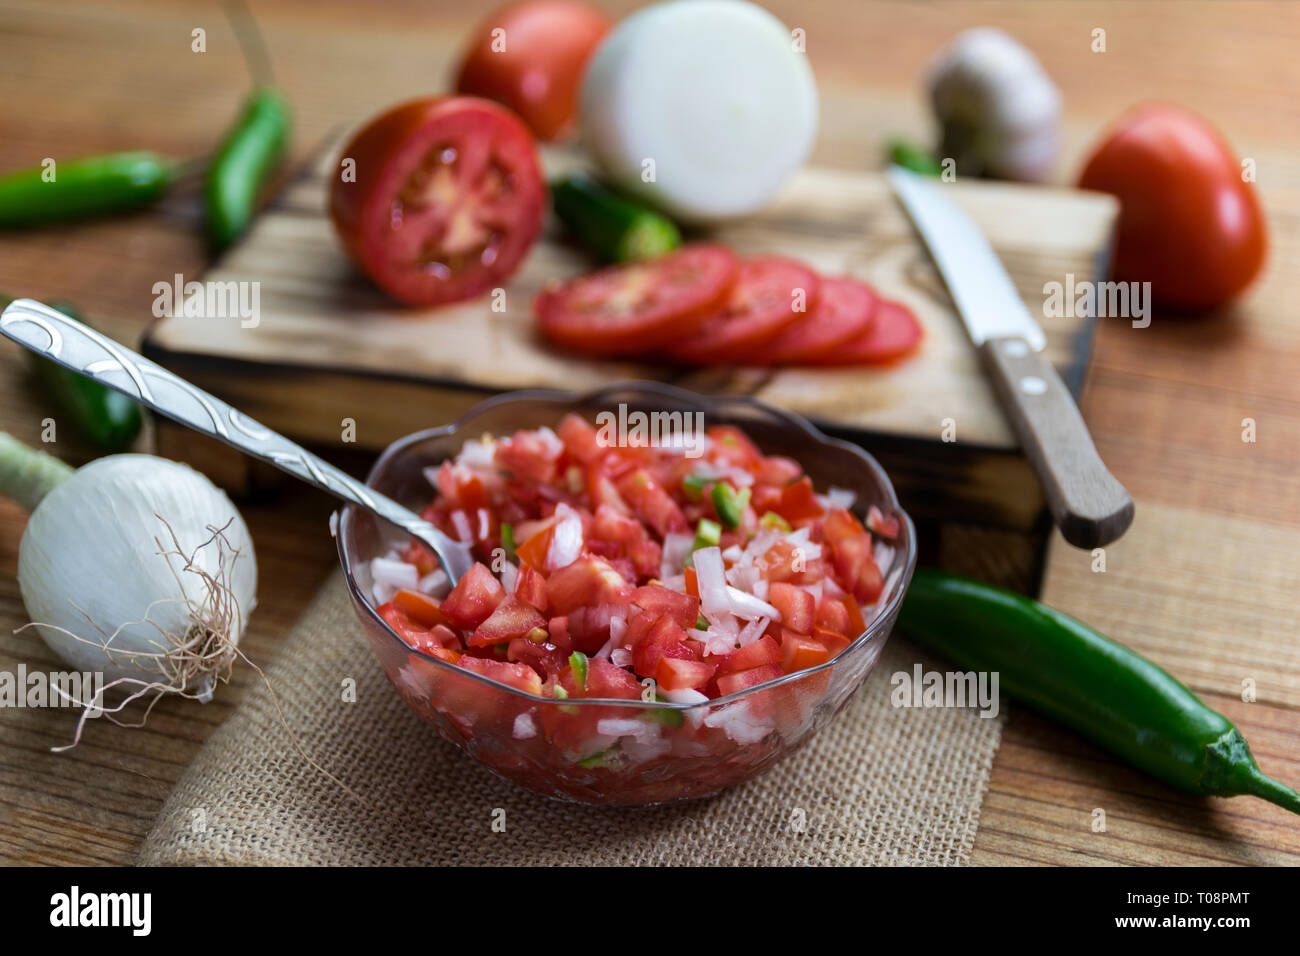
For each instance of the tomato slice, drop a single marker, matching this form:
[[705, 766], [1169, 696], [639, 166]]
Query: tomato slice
[[894, 332], [770, 292], [844, 311], [446, 199], [629, 308]]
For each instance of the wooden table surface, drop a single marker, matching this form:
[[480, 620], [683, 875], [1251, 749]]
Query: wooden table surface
[[1206, 583]]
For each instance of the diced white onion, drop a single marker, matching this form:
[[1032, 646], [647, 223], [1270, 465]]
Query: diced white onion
[[740, 723], [460, 521], [711, 577], [752, 631], [509, 577], [676, 548], [748, 606], [525, 727], [623, 727], [841, 497], [566, 541], [685, 695], [732, 553], [435, 582], [390, 575], [621, 657]]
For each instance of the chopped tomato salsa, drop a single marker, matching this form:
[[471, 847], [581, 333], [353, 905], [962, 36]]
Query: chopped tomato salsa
[[609, 569]]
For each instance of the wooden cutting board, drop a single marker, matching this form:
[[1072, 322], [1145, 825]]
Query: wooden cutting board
[[327, 346]]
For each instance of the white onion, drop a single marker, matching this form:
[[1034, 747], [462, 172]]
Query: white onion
[[677, 546], [109, 544], [460, 521], [712, 580], [715, 92], [566, 540], [841, 497], [524, 727], [749, 606], [394, 573], [509, 577]]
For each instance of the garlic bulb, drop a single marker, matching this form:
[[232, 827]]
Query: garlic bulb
[[998, 110], [141, 569]]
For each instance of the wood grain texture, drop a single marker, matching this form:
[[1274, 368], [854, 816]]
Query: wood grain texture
[[318, 313], [1165, 404], [1089, 506]]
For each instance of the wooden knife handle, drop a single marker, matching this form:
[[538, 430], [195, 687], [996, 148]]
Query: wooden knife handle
[[1090, 506]]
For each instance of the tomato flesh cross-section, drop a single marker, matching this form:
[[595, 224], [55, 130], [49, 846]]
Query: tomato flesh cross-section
[[638, 306], [444, 201]]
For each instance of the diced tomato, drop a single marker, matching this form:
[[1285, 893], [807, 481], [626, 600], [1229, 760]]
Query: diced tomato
[[856, 624], [526, 455], [777, 470], [665, 634], [519, 676], [834, 643], [412, 632], [853, 557], [533, 551], [610, 524], [586, 582], [512, 618], [757, 654], [659, 600], [734, 446], [796, 605], [742, 680], [609, 680], [474, 598], [800, 651], [589, 626], [651, 503], [546, 658], [580, 439], [530, 587], [833, 616], [425, 561], [798, 502], [603, 492], [673, 673], [692, 583], [449, 654], [421, 608], [877, 522]]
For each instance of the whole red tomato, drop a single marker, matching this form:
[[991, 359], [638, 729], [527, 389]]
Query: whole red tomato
[[531, 56], [1189, 223]]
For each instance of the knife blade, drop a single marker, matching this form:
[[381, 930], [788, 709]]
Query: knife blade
[[1089, 505]]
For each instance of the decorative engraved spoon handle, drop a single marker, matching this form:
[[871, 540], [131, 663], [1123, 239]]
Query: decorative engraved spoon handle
[[66, 341]]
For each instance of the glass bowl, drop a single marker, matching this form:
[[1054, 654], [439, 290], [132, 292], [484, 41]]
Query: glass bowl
[[621, 752]]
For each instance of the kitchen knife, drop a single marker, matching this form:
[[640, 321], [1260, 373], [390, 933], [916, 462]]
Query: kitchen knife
[[1089, 505]]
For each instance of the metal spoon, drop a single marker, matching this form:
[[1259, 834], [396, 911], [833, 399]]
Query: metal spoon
[[66, 341]]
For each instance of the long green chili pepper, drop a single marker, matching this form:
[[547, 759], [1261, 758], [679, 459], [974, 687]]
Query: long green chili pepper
[[1102, 690], [85, 187], [107, 418], [248, 155]]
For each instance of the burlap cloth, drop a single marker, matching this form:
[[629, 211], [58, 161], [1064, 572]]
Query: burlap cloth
[[880, 785]]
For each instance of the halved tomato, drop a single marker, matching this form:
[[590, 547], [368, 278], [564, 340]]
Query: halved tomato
[[770, 292], [626, 309], [445, 199], [894, 332], [844, 310]]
